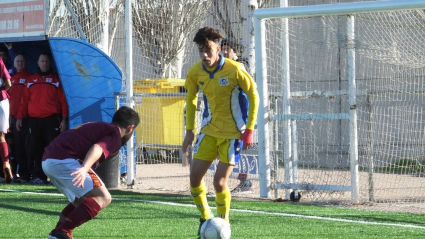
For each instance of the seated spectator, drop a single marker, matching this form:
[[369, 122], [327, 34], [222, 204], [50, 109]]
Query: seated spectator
[[44, 102]]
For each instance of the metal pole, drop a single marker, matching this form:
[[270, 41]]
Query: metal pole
[[129, 88], [263, 114], [351, 69], [287, 148], [339, 9], [370, 149]]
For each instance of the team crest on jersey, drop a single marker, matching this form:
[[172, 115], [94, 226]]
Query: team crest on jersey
[[49, 80], [224, 81], [22, 81]]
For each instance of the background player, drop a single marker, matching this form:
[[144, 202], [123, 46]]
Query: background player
[[230, 50], [70, 161], [228, 125], [4, 121]]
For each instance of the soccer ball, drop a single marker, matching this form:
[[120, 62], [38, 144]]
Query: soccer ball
[[215, 228]]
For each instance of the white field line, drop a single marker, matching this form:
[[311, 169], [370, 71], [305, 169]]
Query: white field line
[[243, 210]]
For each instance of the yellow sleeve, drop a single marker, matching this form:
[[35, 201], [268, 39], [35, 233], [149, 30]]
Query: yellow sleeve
[[191, 100], [248, 85]]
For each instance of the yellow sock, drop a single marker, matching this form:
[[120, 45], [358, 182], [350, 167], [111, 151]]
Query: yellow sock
[[222, 201], [199, 196]]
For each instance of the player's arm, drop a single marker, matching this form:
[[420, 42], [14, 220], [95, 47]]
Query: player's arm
[[23, 107], [191, 100], [5, 76], [92, 156], [250, 88]]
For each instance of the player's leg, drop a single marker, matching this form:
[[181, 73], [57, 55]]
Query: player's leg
[[4, 149], [86, 202], [197, 187], [205, 151], [4, 154], [88, 206], [59, 173], [223, 196], [229, 151]]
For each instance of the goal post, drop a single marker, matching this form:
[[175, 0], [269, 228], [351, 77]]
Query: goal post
[[311, 65]]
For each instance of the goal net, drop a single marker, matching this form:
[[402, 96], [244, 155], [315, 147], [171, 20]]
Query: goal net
[[309, 135], [346, 105]]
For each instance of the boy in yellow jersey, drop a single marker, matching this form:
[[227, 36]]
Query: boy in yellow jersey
[[231, 100]]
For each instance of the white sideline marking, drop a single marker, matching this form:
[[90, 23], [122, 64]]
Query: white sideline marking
[[243, 210]]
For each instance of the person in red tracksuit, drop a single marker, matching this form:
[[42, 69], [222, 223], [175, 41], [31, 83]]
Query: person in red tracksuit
[[20, 138], [45, 103]]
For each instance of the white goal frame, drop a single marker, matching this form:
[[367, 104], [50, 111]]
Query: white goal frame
[[265, 118]]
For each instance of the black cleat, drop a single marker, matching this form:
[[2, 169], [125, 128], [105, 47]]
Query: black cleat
[[55, 234], [201, 222]]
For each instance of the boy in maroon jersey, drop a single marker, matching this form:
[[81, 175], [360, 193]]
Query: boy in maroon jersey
[[70, 160], [4, 121]]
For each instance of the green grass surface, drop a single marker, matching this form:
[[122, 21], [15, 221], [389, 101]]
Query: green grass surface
[[135, 215]]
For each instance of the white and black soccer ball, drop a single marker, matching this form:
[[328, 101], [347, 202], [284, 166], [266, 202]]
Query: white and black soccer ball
[[215, 228]]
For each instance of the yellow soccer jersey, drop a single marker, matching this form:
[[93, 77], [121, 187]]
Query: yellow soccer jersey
[[226, 90]]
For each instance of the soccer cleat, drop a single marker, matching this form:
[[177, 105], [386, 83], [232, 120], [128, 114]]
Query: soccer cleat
[[244, 186], [7, 172], [55, 234], [201, 222]]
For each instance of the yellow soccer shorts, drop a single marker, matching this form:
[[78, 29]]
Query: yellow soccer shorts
[[208, 148]]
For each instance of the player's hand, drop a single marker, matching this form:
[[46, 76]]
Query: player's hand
[[188, 139], [19, 124], [247, 138], [79, 177], [62, 126]]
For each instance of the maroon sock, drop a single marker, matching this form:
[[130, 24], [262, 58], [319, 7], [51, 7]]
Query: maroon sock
[[4, 152], [65, 212], [85, 211]]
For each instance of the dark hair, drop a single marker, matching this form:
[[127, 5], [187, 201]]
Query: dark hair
[[206, 34], [125, 116], [232, 44], [45, 53]]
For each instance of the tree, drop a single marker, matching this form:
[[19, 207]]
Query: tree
[[90, 19], [236, 20], [162, 28]]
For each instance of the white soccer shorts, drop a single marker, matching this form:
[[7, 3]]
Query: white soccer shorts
[[59, 172], [4, 115]]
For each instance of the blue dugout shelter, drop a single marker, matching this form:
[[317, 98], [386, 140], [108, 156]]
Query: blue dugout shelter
[[89, 77]]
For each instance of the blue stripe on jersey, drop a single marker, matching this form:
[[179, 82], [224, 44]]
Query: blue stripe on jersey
[[206, 115], [239, 107], [244, 104]]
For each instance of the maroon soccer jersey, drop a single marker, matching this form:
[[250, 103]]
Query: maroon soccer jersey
[[4, 75], [75, 143]]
